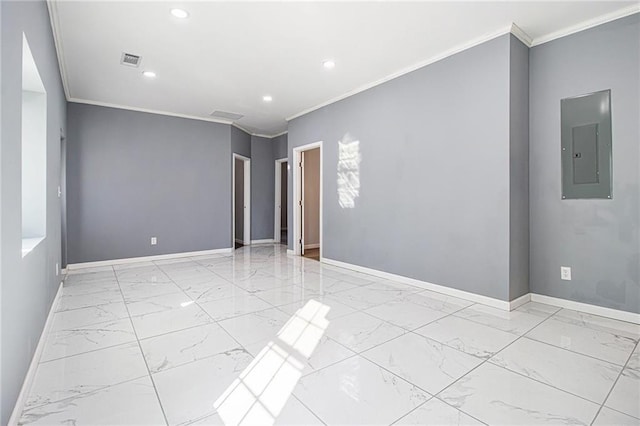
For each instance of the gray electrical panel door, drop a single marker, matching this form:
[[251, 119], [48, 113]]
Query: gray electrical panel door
[[586, 146]]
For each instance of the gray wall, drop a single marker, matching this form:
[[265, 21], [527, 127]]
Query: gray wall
[[597, 238], [443, 133], [133, 175], [518, 169], [28, 285], [262, 188], [279, 147], [240, 142]]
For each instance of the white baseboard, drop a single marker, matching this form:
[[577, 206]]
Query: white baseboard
[[35, 360], [311, 246], [587, 308], [496, 303], [289, 251], [266, 241], [515, 303], [83, 265]]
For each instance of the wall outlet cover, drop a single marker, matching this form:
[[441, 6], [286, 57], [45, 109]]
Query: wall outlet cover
[[565, 273], [154, 241]]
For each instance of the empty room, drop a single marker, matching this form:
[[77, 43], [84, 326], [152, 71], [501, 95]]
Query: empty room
[[319, 212]]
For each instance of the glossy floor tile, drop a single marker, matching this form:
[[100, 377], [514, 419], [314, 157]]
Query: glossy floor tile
[[258, 337]]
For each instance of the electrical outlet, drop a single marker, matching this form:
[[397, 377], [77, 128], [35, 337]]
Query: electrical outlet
[[154, 241], [57, 269], [565, 273]]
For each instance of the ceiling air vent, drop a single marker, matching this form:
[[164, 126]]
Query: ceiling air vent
[[226, 115], [130, 60]]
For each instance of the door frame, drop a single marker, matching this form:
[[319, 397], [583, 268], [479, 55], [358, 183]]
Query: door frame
[[246, 236], [297, 186], [277, 223]]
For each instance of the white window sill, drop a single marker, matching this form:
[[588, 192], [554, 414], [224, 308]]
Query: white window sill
[[28, 244]]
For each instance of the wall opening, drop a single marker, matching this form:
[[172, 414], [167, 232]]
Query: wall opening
[[34, 153]]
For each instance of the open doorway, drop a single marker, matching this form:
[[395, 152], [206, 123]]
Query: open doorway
[[280, 213], [62, 195], [241, 199], [308, 201]]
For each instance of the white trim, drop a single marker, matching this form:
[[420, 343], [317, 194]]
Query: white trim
[[587, 308], [57, 41], [450, 52], [291, 252], [277, 214], [311, 246], [520, 34], [262, 135], [265, 241], [246, 229], [278, 134], [154, 111], [33, 366], [511, 29], [489, 301], [585, 25], [76, 266], [496, 303], [171, 114], [63, 271], [525, 298], [297, 220]]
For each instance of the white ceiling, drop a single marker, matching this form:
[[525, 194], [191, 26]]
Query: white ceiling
[[227, 55]]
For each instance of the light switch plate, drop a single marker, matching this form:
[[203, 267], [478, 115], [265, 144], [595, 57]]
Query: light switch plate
[[154, 241], [565, 273]]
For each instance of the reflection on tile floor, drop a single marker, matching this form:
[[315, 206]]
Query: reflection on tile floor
[[257, 337]]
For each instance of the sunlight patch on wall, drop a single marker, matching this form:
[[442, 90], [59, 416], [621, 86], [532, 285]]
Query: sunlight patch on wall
[[348, 171]]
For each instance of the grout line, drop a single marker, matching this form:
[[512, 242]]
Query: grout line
[[437, 395], [614, 385], [245, 259], [142, 355]]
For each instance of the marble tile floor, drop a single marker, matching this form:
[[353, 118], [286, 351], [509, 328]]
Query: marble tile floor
[[257, 337]]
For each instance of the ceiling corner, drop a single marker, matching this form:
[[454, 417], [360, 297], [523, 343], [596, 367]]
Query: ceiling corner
[[57, 40], [521, 35]]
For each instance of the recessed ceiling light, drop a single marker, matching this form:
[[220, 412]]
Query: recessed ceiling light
[[180, 13], [329, 64], [149, 74], [267, 98]]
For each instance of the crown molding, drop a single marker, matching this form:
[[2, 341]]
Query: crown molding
[[521, 35], [57, 40], [450, 52], [170, 114], [279, 134], [585, 25], [150, 111]]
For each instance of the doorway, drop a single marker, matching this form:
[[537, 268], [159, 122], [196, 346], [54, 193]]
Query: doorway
[[280, 213], [241, 201], [307, 181], [62, 195]]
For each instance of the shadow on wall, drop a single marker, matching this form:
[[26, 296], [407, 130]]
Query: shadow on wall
[[348, 171]]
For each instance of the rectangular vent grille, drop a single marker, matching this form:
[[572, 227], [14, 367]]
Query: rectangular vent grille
[[130, 60], [226, 115]]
